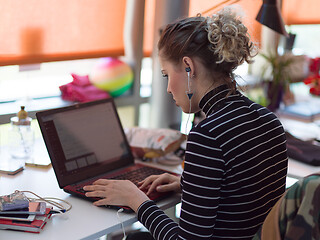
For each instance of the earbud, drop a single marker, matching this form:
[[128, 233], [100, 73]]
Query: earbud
[[189, 92]]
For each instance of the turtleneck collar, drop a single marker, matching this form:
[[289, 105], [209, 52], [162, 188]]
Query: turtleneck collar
[[213, 99]]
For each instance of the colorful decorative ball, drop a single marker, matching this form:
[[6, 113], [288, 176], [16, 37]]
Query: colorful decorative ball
[[112, 75]]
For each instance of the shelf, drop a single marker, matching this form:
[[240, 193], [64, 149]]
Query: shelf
[[8, 110]]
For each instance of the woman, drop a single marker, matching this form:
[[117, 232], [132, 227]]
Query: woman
[[235, 162]]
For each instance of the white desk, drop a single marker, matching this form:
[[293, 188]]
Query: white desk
[[83, 221], [298, 169]]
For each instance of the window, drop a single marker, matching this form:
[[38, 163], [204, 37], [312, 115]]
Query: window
[[42, 82], [38, 87], [307, 39]]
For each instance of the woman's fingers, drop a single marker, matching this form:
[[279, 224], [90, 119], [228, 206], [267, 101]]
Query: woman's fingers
[[93, 187], [116, 192], [162, 183], [102, 181], [158, 181], [95, 193], [146, 182], [168, 187]]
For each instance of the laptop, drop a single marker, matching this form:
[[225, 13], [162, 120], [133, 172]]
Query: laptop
[[86, 142]]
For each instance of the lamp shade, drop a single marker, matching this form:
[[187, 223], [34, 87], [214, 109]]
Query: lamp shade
[[270, 16]]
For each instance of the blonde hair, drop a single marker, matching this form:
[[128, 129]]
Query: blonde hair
[[229, 38]]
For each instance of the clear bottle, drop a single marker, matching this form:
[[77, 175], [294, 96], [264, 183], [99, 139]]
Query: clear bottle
[[21, 136]]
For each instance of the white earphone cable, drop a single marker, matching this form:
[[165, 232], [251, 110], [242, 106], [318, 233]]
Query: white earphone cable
[[51, 200], [188, 92], [120, 221], [186, 130]]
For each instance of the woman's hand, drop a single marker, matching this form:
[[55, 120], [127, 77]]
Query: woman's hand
[[161, 183], [116, 192]]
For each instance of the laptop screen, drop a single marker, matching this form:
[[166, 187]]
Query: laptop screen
[[84, 140]]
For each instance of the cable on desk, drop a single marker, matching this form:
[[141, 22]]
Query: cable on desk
[[51, 200]]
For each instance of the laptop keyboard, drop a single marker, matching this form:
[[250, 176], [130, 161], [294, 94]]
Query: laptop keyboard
[[139, 174], [134, 176]]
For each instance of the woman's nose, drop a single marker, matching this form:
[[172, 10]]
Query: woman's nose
[[168, 89]]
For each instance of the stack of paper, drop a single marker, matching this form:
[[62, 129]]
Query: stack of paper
[[17, 213], [22, 223]]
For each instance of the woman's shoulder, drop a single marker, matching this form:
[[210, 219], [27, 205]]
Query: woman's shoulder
[[203, 129]]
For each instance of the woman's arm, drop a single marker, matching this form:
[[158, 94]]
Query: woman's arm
[[201, 181]]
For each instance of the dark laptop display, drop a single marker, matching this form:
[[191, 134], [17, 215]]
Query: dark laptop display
[[85, 142]]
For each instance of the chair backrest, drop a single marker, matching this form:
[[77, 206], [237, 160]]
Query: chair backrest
[[296, 214]]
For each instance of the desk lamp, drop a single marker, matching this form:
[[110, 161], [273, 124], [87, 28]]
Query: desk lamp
[[270, 16]]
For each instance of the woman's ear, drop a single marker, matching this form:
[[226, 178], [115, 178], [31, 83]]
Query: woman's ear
[[188, 65]]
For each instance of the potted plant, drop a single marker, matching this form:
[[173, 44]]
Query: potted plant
[[279, 78]]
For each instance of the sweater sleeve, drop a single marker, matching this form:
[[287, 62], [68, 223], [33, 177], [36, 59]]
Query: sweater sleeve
[[156, 221], [200, 194]]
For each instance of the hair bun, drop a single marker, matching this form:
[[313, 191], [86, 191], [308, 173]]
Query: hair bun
[[228, 37]]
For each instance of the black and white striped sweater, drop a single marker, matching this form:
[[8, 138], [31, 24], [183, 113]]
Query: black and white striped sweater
[[235, 170]]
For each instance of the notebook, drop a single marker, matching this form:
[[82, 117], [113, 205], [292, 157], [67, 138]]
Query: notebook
[[86, 142]]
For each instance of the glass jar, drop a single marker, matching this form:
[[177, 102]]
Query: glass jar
[[21, 138]]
